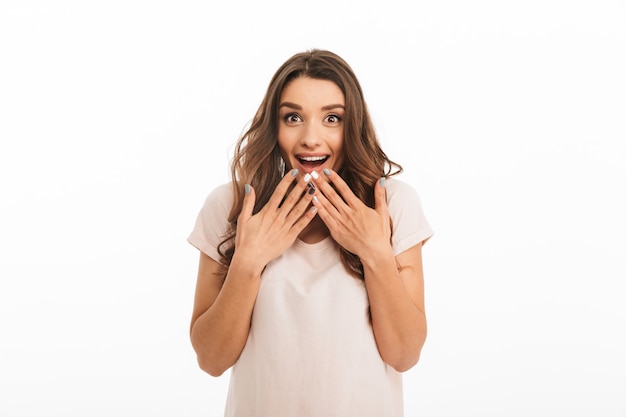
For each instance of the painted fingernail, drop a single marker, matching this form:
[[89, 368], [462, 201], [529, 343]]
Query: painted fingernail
[[247, 188], [382, 181], [313, 210], [311, 190], [315, 200], [315, 175], [307, 177], [294, 172], [326, 171]]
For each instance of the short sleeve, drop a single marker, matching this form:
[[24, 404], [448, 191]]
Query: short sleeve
[[410, 225], [212, 222]]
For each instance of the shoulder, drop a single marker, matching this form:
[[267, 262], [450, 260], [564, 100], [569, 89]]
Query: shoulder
[[221, 196], [409, 222], [394, 184], [401, 192], [212, 221], [217, 205], [224, 190]]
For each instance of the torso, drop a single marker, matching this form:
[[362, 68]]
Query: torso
[[311, 350]]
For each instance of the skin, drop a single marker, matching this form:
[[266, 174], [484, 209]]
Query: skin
[[310, 125]]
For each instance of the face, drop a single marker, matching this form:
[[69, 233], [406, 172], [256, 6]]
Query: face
[[310, 125]]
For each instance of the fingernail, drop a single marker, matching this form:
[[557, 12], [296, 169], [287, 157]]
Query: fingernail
[[326, 171], [313, 210], [382, 181], [307, 177], [294, 172], [315, 175], [247, 188], [315, 200], [311, 190]]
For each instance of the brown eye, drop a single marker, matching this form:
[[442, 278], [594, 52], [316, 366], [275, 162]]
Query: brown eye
[[292, 118], [333, 118]]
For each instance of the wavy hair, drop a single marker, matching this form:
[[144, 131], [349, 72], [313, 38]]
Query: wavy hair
[[257, 160]]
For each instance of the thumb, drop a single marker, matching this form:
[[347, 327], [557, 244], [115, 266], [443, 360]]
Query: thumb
[[248, 203]]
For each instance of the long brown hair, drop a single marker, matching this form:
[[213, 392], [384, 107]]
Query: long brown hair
[[257, 160]]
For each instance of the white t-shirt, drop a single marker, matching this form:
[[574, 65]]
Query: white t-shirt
[[311, 350]]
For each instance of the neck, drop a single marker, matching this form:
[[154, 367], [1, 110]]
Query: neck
[[314, 232]]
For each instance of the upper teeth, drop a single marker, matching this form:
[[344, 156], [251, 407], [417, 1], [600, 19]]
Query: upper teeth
[[313, 158]]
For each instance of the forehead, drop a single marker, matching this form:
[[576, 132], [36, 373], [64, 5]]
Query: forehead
[[306, 90]]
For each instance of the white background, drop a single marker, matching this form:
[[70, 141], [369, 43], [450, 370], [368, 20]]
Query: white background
[[118, 117]]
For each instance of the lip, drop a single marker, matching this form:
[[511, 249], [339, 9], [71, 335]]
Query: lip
[[309, 155], [308, 170]]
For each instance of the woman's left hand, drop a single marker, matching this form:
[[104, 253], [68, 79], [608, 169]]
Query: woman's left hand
[[352, 224]]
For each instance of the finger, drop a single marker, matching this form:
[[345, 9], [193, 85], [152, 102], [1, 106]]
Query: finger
[[380, 197], [341, 195], [316, 178], [300, 189], [248, 203], [303, 221], [326, 210], [282, 188], [301, 205]]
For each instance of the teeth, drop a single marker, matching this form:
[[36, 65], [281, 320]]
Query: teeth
[[313, 158]]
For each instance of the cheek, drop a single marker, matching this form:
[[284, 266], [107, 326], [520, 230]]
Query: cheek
[[337, 143], [337, 148], [283, 140], [285, 144]]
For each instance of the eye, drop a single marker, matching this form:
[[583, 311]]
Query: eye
[[292, 118], [333, 118]]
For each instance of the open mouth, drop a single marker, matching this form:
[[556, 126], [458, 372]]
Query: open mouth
[[312, 161]]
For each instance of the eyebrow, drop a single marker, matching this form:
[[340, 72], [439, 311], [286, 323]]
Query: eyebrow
[[298, 107]]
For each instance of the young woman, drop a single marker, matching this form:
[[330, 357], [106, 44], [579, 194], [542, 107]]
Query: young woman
[[310, 282]]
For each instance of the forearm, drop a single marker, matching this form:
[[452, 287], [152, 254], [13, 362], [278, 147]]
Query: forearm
[[399, 324], [219, 335]]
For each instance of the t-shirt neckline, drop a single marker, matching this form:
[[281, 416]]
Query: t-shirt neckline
[[314, 247]]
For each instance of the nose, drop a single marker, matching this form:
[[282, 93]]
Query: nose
[[311, 136]]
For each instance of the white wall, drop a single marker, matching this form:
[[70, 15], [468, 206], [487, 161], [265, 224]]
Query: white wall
[[116, 119]]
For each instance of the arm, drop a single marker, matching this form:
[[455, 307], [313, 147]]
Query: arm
[[394, 283], [222, 312], [395, 290]]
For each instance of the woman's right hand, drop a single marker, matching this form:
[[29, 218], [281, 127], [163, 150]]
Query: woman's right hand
[[267, 234]]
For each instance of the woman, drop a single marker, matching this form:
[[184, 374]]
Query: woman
[[310, 282]]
